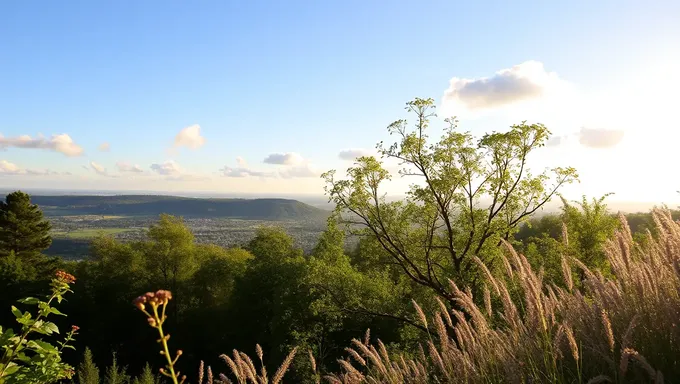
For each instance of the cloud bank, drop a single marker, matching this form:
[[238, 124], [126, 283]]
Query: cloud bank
[[289, 158], [99, 169], [9, 168], [58, 143], [294, 166], [353, 154], [522, 82], [168, 168], [127, 167]]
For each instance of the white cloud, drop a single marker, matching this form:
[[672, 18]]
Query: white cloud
[[242, 170], [189, 137], [289, 158], [168, 168], [59, 143], [127, 167], [353, 154], [7, 167], [522, 82], [300, 169], [98, 168], [45, 172], [600, 138], [173, 172], [104, 147], [303, 170]]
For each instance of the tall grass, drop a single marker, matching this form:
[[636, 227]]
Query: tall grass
[[618, 329]]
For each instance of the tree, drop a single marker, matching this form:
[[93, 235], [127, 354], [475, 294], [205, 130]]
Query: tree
[[147, 376], [172, 245], [22, 228], [213, 281], [271, 302], [88, 373], [589, 225], [438, 230], [116, 374]]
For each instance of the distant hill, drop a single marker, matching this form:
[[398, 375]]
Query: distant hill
[[153, 205]]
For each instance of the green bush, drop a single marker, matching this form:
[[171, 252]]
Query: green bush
[[34, 360]]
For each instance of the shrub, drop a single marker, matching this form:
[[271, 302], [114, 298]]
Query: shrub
[[616, 329], [26, 360]]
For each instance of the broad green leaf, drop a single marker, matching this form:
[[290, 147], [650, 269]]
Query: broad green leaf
[[11, 368], [29, 300], [17, 313], [46, 346], [56, 311], [51, 327]]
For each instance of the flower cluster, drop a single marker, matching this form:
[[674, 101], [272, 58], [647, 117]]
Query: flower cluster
[[65, 277], [155, 319], [160, 297]]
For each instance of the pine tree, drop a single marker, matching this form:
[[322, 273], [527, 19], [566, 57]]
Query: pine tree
[[88, 373], [116, 374], [22, 227], [147, 376]]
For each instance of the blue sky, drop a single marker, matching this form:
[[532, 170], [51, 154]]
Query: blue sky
[[307, 77]]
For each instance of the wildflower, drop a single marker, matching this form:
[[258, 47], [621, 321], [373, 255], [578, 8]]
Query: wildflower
[[65, 277], [74, 328], [152, 321], [163, 296], [139, 302]]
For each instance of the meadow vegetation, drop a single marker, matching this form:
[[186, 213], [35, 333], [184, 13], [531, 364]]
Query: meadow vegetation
[[441, 287]]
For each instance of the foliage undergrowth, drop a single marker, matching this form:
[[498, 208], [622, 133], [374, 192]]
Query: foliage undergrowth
[[521, 326], [29, 360], [618, 328], [621, 328]]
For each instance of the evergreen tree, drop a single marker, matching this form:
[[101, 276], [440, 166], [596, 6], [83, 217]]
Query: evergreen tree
[[88, 373], [116, 374], [147, 376], [22, 227]]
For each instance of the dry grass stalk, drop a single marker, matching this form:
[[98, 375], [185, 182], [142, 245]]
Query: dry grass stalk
[[284, 367]]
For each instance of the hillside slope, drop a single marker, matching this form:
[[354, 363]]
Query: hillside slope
[[149, 205]]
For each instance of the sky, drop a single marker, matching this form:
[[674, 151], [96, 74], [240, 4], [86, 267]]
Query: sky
[[262, 97]]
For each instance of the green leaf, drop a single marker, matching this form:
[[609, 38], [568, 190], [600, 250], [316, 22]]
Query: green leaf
[[11, 368], [26, 320], [56, 312], [17, 313], [46, 346], [49, 328], [29, 300]]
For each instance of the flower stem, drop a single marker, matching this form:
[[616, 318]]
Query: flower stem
[[166, 351]]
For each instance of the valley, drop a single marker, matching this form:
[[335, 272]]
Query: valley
[[76, 220]]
